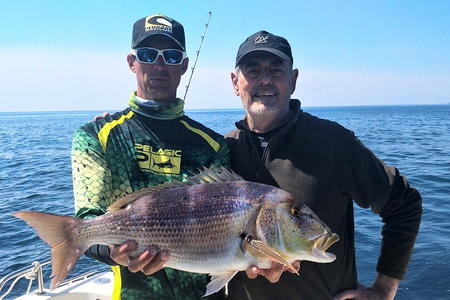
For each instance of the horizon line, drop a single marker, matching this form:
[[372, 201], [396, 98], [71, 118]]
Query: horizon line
[[233, 108]]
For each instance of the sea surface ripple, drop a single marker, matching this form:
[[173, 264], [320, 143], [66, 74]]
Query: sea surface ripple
[[35, 174]]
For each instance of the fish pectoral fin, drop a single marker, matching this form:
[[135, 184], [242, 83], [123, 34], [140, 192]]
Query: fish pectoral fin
[[260, 249], [218, 281]]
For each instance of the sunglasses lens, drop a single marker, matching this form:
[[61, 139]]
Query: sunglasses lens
[[173, 57], [146, 55], [150, 55]]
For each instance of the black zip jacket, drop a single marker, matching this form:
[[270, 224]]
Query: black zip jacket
[[326, 167]]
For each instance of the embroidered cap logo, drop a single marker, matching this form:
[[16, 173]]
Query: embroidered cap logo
[[159, 23], [262, 39]]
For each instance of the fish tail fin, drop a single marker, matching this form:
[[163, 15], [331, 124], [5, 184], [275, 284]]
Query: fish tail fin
[[57, 232]]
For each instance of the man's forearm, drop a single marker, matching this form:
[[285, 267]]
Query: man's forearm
[[402, 220]]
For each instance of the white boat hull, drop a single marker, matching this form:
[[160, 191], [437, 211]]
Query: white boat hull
[[96, 287]]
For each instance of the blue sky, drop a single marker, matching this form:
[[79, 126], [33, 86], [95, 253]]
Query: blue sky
[[70, 55]]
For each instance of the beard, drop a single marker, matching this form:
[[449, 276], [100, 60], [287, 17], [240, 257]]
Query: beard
[[261, 108], [263, 101]]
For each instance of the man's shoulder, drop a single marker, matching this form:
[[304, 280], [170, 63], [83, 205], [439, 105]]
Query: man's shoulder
[[117, 118], [199, 126], [305, 122], [324, 127]]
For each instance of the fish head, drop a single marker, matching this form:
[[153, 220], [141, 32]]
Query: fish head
[[296, 232], [303, 235]]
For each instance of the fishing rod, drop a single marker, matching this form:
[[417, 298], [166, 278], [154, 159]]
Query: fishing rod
[[196, 57]]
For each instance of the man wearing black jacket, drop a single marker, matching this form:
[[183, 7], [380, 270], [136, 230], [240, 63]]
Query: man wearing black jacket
[[324, 166]]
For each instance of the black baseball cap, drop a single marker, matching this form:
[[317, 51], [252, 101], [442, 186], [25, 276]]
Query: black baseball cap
[[265, 41], [158, 25]]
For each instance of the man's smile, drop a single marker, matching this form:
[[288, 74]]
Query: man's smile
[[265, 94]]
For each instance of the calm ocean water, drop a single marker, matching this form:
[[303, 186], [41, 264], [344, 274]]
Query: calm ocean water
[[35, 175]]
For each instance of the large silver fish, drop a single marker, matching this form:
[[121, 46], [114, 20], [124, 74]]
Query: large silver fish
[[215, 223]]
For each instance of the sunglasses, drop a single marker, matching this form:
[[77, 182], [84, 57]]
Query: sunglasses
[[150, 55]]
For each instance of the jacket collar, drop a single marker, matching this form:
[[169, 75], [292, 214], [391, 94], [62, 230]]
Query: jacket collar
[[155, 109]]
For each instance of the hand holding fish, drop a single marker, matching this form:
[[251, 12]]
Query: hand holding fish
[[274, 273], [148, 262], [384, 288]]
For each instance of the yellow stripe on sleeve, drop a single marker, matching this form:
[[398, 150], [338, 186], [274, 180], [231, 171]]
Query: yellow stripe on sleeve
[[215, 145], [117, 283], [103, 134]]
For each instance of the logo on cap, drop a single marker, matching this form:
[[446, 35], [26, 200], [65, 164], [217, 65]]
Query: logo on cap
[[158, 23], [262, 39]]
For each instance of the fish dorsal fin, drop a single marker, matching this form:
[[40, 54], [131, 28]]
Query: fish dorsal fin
[[207, 175]]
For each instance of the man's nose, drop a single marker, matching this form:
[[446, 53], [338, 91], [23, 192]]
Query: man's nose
[[160, 63], [265, 78]]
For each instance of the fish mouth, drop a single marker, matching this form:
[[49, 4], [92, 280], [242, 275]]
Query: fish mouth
[[321, 244], [325, 241]]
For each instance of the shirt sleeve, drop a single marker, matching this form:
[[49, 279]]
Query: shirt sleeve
[[91, 176], [371, 183]]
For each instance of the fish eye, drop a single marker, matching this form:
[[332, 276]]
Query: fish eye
[[295, 211]]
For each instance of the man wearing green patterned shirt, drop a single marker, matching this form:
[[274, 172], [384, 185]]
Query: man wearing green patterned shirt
[[148, 143]]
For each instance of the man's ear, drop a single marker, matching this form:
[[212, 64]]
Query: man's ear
[[234, 81], [293, 81], [184, 65], [131, 59]]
